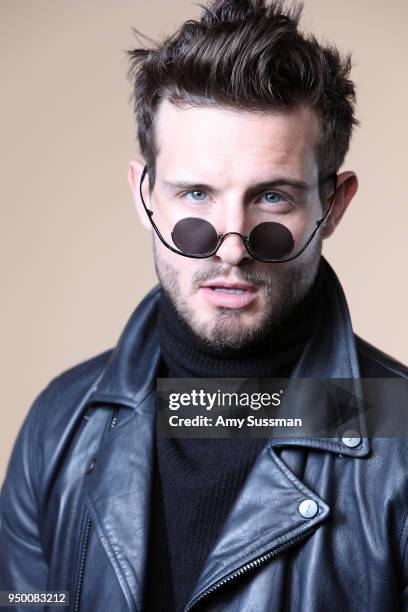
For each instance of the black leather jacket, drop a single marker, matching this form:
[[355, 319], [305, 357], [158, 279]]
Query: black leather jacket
[[75, 502]]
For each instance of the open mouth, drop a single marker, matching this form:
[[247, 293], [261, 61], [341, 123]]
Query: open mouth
[[233, 295], [227, 290]]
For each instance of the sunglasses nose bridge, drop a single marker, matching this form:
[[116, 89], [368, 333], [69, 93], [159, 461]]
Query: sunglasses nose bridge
[[232, 251], [242, 236]]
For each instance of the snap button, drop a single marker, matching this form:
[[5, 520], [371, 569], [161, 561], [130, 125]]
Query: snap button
[[308, 508], [351, 438], [90, 466]]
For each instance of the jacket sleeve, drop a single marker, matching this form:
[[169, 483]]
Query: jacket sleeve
[[22, 564]]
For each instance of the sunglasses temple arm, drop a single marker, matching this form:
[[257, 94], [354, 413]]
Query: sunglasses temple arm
[[326, 214], [313, 234], [318, 224], [156, 229]]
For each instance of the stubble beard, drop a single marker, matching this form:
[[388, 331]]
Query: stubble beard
[[224, 330]]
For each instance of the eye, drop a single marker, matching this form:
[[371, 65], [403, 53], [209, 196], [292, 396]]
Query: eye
[[196, 195], [273, 197]]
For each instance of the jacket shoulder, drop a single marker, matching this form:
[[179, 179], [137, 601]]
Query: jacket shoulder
[[374, 363], [58, 404], [80, 376], [64, 396]]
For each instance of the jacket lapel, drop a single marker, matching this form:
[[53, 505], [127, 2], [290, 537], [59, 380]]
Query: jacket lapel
[[117, 495], [264, 521], [265, 518]]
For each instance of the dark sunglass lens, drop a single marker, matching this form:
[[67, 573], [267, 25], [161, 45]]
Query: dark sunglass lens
[[194, 236], [271, 240]]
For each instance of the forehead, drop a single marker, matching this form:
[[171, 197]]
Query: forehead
[[209, 140]]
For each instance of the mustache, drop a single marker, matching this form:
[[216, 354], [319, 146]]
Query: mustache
[[253, 278]]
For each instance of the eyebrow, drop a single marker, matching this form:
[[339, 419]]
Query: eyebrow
[[299, 185]]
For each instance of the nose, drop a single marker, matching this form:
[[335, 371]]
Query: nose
[[232, 223], [232, 249]]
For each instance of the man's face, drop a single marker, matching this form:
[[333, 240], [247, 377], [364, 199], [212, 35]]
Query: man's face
[[223, 156]]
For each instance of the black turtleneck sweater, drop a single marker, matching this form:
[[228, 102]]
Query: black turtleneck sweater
[[195, 481]]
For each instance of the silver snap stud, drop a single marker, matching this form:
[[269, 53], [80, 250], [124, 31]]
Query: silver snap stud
[[308, 508], [351, 438]]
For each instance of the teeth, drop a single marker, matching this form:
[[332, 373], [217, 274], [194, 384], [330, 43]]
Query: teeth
[[225, 290]]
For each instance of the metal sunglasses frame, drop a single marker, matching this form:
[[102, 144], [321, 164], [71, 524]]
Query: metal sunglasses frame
[[245, 239]]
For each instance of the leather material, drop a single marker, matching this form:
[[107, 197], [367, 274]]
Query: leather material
[[75, 504]]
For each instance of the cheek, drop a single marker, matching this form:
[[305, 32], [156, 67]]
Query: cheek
[[184, 267], [273, 272], [187, 270]]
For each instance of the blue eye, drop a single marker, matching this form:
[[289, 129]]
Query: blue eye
[[197, 195], [273, 197]]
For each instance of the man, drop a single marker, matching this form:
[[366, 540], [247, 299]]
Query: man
[[243, 125]]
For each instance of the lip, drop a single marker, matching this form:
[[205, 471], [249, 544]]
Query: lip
[[229, 285], [228, 300]]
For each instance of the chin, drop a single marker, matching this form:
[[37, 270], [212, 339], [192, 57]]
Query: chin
[[227, 330]]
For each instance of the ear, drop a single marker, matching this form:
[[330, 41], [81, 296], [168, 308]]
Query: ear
[[134, 176], [346, 187]]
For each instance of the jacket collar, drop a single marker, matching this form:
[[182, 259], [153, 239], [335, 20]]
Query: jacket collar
[[131, 372], [331, 353]]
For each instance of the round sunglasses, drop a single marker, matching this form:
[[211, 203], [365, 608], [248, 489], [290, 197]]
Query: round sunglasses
[[268, 241]]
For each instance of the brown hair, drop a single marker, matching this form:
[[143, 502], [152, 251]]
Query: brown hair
[[245, 54]]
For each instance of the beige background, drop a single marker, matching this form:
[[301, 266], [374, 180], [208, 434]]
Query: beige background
[[75, 262]]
